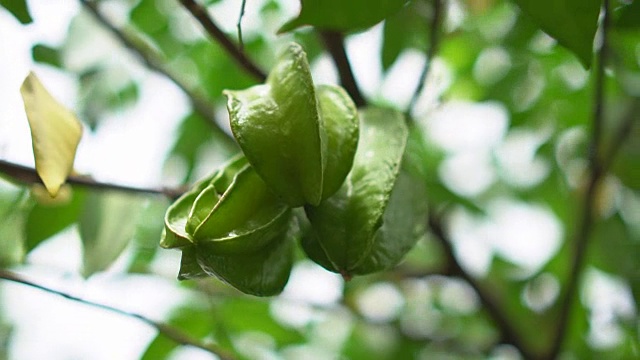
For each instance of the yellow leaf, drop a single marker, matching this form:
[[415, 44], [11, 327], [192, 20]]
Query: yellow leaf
[[55, 133]]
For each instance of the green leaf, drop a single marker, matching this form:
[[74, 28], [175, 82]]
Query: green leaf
[[12, 211], [278, 129], [573, 23], [344, 226], [629, 16], [46, 55], [107, 225], [19, 9], [192, 319], [242, 315], [342, 15], [46, 220], [55, 133], [148, 231], [193, 135], [405, 29]]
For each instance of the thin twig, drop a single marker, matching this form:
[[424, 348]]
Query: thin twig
[[334, 42], [432, 50], [28, 175], [168, 331], [200, 13], [239, 25], [154, 62], [596, 173], [494, 309]]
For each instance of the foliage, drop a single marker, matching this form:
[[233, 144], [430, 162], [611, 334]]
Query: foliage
[[490, 206]]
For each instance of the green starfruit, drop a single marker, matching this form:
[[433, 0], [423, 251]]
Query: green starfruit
[[230, 225], [300, 139], [368, 225]]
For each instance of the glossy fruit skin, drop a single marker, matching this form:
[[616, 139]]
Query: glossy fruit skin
[[302, 146], [356, 230], [300, 139], [230, 225]]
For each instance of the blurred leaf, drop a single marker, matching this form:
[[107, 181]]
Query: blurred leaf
[[629, 16], [19, 9], [46, 55], [405, 29], [421, 160], [506, 286], [193, 320], [55, 133], [342, 15], [572, 22], [6, 332], [46, 220], [242, 315], [123, 96], [102, 95], [13, 215], [614, 250], [626, 165], [154, 22], [215, 71], [107, 226], [148, 232], [192, 136]]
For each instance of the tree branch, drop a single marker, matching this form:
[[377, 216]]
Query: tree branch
[[200, 13], [28, 175], [596, 173], [334, 42], [154, 62], [434, 45], [168, 331], [509, 332]]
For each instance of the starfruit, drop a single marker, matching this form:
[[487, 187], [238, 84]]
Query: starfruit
[[300, 139], [230, 225], [370, 223]]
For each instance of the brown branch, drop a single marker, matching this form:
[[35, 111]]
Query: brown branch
[[492, 306], [432, 50], [334, 42], [28, 175], [154, 62], [200, 13], [596, 173], [168, 331]]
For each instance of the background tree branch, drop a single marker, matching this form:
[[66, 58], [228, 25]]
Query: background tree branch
[[28, 175], [432, 50], [154, 62], [334, 42], [508, 331], [168, 331], [596, 170], [200, 13]]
